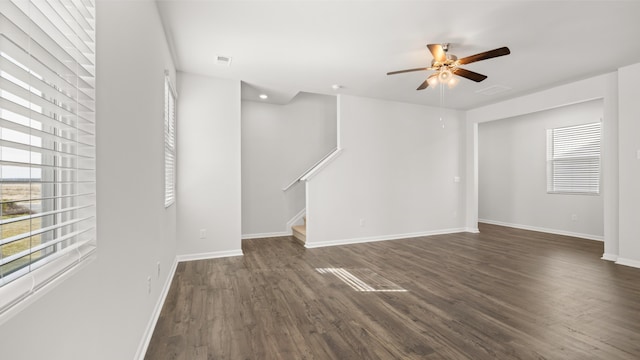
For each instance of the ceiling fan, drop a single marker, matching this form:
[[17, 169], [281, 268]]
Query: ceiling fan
[[446, 65]]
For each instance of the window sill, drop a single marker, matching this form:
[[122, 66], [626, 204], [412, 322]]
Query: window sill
[[17, 295]]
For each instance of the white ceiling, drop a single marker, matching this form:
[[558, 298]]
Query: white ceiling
[[281, 48]]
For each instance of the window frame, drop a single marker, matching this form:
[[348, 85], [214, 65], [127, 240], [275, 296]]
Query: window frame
[[577, 151], [170, 153], [48, 96]]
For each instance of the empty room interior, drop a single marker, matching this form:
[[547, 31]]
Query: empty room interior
[[319, 179]]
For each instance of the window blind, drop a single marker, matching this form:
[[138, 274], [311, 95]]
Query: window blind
[[47, 142], [573, 155], [169, 142]]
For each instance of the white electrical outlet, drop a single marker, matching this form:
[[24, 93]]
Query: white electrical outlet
[[456, 179], [574, 217], [149, 285], [203, 233], [361, 222]]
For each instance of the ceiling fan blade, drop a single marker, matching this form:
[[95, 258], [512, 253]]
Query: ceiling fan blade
[[469, 74], [485, 55], [404, 71], [437, 52], [425, 84]]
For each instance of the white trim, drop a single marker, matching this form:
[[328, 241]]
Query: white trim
[[544, 230], [266, 235], [155, 315], [209, 255], [472, 230], [609, 257], [628, 262], [295, 220], [382, 238], [316, 169], [319, 164]]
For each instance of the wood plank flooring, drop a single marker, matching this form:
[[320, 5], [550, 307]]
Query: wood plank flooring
[[501, 294]]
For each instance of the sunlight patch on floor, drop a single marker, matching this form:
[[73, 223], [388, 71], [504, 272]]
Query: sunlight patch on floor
[[363, 280]]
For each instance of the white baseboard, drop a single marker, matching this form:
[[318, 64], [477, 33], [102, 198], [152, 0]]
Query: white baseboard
[[382, 238], [544, 230], [295, 220], [609, 257], [209, 255], [266, 235], [144, 345], [472, 230], [628, 262]]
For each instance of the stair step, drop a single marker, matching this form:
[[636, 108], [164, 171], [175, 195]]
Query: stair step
[[300, 232]]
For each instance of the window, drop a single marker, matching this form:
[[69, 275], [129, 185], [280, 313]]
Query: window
[[573, 159], [47, 142], [169, 142]]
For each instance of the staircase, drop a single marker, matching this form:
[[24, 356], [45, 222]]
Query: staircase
[[300, 231]]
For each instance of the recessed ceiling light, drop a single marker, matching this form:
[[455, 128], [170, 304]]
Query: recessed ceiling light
[[336, 87], [263, 96]]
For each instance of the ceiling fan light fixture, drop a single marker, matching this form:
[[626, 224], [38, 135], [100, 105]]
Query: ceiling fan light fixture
[[447, 65], [453, 82], [445, 75], [432, 81]]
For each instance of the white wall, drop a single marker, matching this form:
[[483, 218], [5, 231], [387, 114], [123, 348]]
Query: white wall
[[603, 87], [396, 174], [101, 312], [279, 142], [629, 155], [513, 174], [208, 191]]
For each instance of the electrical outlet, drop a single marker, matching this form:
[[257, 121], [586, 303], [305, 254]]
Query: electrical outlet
[[149, 285], [158, 265], [574, 217], [203, 233], [361, 222]]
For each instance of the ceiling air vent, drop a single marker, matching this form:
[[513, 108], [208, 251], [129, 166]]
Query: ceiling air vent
[[493, 90], [223, 60]]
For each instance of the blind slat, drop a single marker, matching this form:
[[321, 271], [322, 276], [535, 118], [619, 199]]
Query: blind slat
[[28, 234], [42, 246]]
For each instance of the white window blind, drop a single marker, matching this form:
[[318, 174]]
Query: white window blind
[[169, 142], [573, 155], [47, 142]]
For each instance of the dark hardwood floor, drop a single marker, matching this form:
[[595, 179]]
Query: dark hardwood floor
[[501, 294]]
